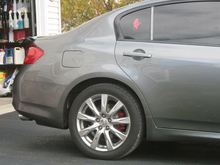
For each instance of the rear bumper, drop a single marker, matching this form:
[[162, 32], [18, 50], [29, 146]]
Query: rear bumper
[[42, 114]]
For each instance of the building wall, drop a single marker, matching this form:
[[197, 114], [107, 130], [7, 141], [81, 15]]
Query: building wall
[[48, 17]]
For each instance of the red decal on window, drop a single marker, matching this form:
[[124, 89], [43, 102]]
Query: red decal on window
[[136, 24]]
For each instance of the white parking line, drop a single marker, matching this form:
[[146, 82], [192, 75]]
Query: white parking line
[[6, 109]]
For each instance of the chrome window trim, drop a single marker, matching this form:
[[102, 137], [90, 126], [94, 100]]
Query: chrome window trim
[[152, 24]]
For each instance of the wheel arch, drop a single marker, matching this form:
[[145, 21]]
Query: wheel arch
[[75, 90]]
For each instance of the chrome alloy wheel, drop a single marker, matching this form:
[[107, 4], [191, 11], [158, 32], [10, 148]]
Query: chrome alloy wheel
[[103, 122]]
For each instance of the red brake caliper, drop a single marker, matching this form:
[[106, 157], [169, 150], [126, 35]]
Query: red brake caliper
[[121, 127]]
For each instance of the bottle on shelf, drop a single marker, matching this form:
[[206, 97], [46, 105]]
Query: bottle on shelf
[[26, 20], [11, 28], [19, 55], [10, 21], [4, 14], [8, 58], [4, 22], [2, 55], [11, 56], [15, 21], [5, 6], [20, 21]]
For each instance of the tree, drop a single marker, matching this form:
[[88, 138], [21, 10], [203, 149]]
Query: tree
[[76, 12]]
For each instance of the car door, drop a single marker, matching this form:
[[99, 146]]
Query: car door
[[172, 53]]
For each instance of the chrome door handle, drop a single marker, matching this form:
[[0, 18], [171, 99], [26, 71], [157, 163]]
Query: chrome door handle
[[137, 54]]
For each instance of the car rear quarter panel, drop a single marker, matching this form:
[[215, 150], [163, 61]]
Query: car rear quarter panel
[[46, 84]]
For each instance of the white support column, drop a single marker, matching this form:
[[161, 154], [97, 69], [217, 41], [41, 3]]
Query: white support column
[[41, 17], [48, 13], [60, 21]]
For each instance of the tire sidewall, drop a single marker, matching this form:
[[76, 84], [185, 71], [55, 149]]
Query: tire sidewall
[[136, 128]]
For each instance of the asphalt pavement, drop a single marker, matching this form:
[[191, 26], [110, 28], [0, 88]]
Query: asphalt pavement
[[25, 143]]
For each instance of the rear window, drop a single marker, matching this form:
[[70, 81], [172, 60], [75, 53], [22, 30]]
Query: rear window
[[136, 25], [193, 23]]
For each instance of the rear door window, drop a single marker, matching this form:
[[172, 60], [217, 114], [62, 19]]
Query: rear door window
[[136, 25]]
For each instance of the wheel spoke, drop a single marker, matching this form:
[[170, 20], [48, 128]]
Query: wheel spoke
[[104, 101], [96, 139], [108, 141], [124, 120], [89, 129], [116, 108], [119, 134], [107, 126], [85, 117], [92, 106]]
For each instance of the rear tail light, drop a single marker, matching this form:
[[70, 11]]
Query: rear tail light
[[33, 54]]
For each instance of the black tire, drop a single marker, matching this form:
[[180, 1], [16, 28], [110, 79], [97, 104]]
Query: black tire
[[136, 119]]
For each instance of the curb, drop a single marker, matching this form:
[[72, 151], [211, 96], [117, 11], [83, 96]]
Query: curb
[[6, 109]]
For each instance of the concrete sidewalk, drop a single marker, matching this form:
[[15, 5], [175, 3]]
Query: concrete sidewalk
[[5, 100], [5, 105]]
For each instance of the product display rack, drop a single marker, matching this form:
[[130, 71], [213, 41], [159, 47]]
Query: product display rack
[[15, 26]]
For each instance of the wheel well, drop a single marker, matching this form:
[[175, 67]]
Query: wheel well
[[81, 86]]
